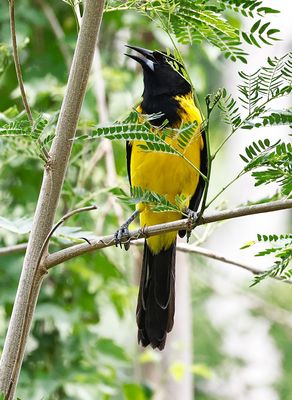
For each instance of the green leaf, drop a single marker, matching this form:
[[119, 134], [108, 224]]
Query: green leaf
[[247, 245], [109, 348], [268, 10], [267, 83], [255, 26], [263, 27], [230, 110], [132, 391], [157, 202], [20, 226], [281, 250]]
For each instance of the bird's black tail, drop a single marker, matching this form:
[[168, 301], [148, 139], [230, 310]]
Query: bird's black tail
[[156, 300]]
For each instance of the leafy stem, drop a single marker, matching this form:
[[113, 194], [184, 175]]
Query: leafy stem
[[242, 172], [43, 150], [209, 158], [243, 122]]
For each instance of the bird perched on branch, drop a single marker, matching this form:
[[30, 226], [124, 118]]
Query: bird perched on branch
[[169, 94]]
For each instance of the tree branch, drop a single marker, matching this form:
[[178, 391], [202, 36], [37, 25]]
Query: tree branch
[[17, 62], [19, 73], [219, 257], [182, 224], [17, 248], [60, 222], [54, 174]]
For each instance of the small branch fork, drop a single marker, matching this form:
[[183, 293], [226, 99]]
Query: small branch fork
[[60, 222]]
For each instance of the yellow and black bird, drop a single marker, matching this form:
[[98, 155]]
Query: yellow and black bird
[[169, 94]]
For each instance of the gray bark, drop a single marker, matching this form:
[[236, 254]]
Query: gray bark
[[32, 273]]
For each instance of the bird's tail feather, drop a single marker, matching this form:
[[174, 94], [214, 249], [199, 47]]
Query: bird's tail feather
[[156, 299]]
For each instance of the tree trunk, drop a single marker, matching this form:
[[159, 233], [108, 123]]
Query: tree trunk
[[55, 169]]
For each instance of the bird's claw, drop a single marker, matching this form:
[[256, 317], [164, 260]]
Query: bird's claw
[[122, 237], [192, 217]]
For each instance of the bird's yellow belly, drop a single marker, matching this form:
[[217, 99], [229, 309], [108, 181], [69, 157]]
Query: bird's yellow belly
[[168, 175]]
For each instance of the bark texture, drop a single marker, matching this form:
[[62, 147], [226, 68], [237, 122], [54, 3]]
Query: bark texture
[[54, 173]]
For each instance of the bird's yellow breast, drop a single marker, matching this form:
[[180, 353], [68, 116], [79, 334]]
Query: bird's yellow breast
[[168, 174]]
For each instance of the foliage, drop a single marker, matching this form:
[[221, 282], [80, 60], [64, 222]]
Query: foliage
[[157, 202], [274, 162], [230, 110], [281, 249], [257, 90], [266, 84], [271, 162], [149, 137], [194, 22], [248, 8], [17, 129]]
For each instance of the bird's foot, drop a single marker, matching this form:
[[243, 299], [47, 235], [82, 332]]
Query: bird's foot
[[192, 217], [122, 235]]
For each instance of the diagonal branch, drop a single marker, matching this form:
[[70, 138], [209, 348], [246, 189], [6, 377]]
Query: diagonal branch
[[193, 248], [219, 257], [182, 224], [16, 248]]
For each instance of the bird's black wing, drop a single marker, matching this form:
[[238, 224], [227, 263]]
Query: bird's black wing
[[197, 196], [129, 153]]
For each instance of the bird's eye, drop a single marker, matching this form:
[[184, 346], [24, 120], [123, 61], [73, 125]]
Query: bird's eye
[[158, 56]]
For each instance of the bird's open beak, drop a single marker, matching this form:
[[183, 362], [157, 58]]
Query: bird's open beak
[[145, 57]]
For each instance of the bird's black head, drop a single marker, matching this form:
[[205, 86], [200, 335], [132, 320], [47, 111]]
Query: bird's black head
[[163, 75]]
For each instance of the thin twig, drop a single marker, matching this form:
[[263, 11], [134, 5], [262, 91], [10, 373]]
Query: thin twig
[[190, 248], [219, 257], [17, 61], [19, 74], [21, 247], [17, 248], [187, 248], [60, 222], [242, 172], [215, 256], [182, 224]]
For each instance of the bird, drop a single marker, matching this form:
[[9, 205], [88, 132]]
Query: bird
[[168, 95]]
